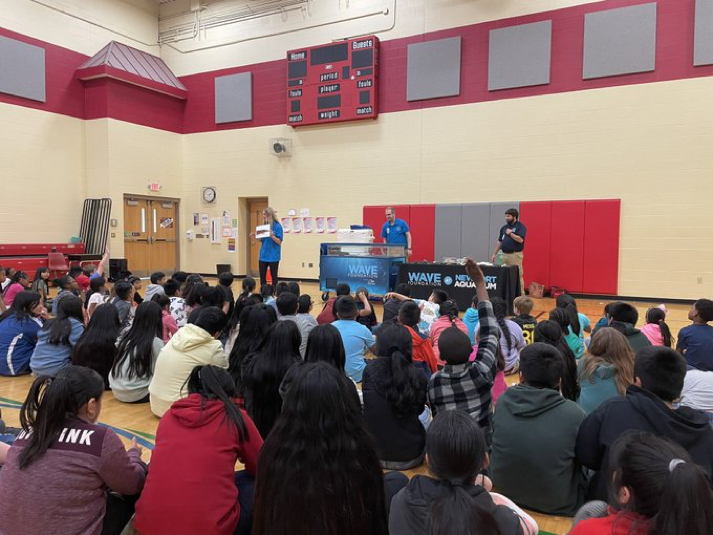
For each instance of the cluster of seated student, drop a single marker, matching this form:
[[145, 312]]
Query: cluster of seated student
[[325, 413]]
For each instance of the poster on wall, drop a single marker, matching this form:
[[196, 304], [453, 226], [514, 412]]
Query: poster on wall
[[226, 218], [286, 224], [306, 225], [331, 225], [227, 232], [231, 245], [204, 219], [296, 225], [215, 230], [320, 224], [196, 218]]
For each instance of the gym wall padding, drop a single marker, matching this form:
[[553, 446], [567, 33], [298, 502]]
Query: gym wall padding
[[703, 33], [433, 69], [519, 56], [497, 220], [537, 216], [601, 246], [448, 231], [475, 238], [566, 245], [233, 98], [423, 227], [22, 69], [620, 41]]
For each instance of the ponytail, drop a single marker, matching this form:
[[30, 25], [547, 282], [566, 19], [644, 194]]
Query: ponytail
[[214, 383], [456, 447], [657, 316], [666, 485], [450, 309], [686, 502], [52, 401], [500, 310], [457, 513], [406, 389], [567, 303]]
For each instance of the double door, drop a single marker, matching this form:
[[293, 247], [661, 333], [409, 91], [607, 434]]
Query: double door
[[150, 235]]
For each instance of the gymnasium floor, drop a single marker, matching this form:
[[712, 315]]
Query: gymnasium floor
[[137, 420]]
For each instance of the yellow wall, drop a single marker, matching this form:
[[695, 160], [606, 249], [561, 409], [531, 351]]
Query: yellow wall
[[42, 157], [646, 144]]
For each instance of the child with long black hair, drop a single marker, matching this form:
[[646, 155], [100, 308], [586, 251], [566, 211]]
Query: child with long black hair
[[96, 348], [193, 486], [262, 373], [65, 462], [655, 489], [512, 340], [455, 502], [319, 472], [394, 397], [550, 332], [57, 338], [136, 355], [19, 326], [576, 326], [656, 329], [255, 322], [39, 283], [325, 344]]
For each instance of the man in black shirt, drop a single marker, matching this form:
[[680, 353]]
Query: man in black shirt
[[511, 241]]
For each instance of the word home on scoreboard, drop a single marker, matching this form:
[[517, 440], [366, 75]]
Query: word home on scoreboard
[[333, 83]]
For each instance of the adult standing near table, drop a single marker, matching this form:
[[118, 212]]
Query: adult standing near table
[[396, 231], [270, 248], [511, 241]]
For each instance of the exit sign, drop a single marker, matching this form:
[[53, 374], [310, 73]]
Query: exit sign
[[155, 187]]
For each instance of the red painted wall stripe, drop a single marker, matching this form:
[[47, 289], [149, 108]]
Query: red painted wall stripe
[[674, 61]]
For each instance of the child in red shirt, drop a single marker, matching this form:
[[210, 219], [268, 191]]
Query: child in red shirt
[[192, 486], [658, 490]]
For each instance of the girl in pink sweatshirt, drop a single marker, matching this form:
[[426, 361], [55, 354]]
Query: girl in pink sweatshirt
[[66, 464], [656, 329]]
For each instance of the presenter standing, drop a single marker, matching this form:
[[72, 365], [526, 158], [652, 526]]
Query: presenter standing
[[396, 231], [511, 241], [270, 248]]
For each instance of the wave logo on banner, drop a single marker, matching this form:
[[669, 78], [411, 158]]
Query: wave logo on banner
[[369, 271], [448, 281], [416, 278]]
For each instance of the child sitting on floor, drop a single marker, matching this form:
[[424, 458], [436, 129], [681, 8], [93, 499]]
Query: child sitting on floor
[[656, 329], [457, 495], [66, 462], [523, 306], [655, 488], [461, 384], [471, 319], [169, 324], [696, 340]]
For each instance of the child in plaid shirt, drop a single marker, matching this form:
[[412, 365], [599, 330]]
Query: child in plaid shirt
[[461, 384]]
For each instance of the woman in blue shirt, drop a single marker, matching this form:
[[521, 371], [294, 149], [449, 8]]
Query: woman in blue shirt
[[271, 248]]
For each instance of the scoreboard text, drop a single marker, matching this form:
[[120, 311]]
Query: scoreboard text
[[332, 83]]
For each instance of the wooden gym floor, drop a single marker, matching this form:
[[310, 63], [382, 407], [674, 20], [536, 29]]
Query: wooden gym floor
[[129, 420]]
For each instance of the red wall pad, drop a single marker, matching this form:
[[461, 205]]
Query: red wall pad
[[537, 217], [422, 223], [567, 245], [373, 216], [601, 247]]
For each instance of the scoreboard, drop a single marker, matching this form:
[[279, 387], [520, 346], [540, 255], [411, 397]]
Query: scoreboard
[[333, 83]]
